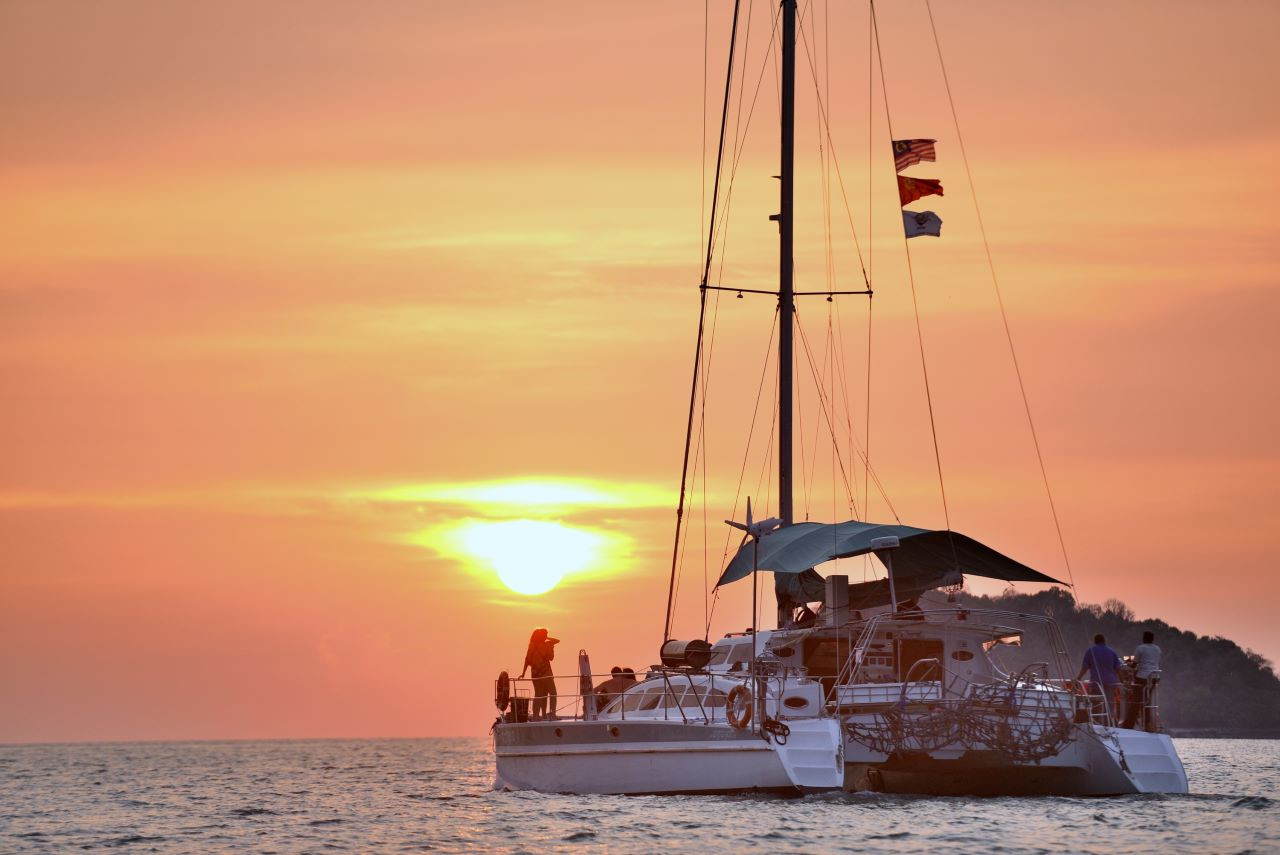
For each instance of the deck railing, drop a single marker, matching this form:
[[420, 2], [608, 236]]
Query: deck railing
[[680, 698]]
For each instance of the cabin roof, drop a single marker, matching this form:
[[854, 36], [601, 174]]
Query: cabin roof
[[921, 557]]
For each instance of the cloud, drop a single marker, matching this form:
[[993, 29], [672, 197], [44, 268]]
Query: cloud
[[546, 494]]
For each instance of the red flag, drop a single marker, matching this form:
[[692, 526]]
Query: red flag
[[911, 189], [907, 152]]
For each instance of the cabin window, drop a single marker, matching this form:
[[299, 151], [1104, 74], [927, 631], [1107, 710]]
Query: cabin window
[[730, 653], [651, 698], [638, 700], [710, 699], [911, 651], [1013, 639]]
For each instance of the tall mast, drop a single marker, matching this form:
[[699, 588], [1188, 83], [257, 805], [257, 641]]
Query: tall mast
[[786, 297]]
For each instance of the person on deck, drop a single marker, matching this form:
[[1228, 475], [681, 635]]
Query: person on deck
[[611, 688], [1146, 663], [537, 660], [1103, 666]]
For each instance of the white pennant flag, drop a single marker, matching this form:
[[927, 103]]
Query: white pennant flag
[[917, 223]]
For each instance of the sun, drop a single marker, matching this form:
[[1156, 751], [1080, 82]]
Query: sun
[[529, 556]]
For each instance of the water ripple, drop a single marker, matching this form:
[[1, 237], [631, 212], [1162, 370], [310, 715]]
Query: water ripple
[[437, 796]]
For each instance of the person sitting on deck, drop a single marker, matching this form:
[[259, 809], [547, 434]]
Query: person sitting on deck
[[611, 688], [1103, 666]]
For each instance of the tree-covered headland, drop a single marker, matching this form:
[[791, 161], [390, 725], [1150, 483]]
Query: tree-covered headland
[[1210, 685]]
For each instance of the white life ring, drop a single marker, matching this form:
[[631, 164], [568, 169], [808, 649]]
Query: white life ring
[[738, 708]]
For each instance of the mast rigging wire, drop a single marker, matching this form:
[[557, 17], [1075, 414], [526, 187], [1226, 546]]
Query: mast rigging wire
[[835, 161], [866, 483], [924, 367], [746, 453], [1008, 334], [740, 131], [826, 412], [702, 309]]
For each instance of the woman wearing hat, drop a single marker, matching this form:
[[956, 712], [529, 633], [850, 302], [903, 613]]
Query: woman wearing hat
[[537, 660]]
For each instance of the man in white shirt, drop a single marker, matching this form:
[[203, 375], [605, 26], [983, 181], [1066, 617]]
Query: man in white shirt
[[1146, 662]]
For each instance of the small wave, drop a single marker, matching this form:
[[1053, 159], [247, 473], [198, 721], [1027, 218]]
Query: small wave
[[254, 811], [1253, 802], [892, 835], [580, 835], [202, 829], [133, 838], [325, 821]]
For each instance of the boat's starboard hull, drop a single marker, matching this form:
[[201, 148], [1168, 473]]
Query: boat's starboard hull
[[635, 757]]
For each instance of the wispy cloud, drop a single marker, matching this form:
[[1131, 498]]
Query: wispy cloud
[[548, 494]]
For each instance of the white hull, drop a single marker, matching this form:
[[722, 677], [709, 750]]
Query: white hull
[[1149, 761], [1097, 761], [660, 757], [644, 757]]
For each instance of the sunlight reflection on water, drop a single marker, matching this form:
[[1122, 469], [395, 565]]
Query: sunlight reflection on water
[[419, 795]]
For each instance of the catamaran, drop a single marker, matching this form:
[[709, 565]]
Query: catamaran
[[885, 685]]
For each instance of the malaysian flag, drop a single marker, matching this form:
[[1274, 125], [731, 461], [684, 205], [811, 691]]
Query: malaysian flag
[[907, 152], [911, 189]]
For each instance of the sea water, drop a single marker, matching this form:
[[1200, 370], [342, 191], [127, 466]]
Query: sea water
[[436, 795]]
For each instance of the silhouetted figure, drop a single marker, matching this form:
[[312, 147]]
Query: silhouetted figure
[[1146, 665], [1103, 666], [537, 661], [612, 688]]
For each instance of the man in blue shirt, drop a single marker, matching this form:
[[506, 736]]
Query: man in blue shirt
[[1102, 664]]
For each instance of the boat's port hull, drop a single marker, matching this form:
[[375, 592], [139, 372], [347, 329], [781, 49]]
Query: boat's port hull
[[634, 758], [1097, 762]]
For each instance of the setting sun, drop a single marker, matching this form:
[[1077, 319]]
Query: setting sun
[[529, 556]]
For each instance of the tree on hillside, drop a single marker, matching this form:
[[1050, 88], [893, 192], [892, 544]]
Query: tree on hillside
[[1207, 682]]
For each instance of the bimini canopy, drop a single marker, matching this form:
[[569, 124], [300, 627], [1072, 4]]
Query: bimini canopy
[[921, 553]]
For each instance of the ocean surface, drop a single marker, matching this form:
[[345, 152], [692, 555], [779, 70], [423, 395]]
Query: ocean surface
[[436, 795]]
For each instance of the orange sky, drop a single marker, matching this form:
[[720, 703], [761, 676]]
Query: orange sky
[[287, 288]]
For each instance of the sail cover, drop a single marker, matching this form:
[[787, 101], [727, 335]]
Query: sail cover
[[921, 553]]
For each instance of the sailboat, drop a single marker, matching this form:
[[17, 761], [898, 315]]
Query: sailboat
[[883, 685]]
